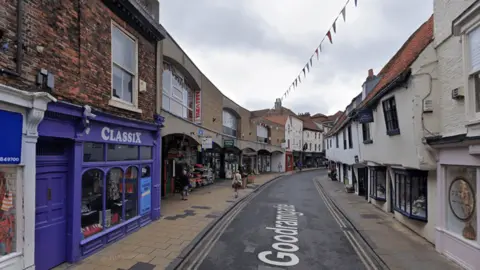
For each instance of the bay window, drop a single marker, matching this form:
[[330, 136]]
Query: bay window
[[411, 193], [230, 123], [112, 190], [124, 68], [378, 183], [177, 97]]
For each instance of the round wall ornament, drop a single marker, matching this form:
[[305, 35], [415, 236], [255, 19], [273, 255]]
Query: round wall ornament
[[461, 198]]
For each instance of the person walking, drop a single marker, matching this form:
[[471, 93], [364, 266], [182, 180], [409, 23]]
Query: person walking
[[185, 182], [236, 182]]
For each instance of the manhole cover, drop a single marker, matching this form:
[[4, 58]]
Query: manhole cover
[[369, 216]]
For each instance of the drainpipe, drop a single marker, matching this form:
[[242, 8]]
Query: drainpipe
[[18, 71]]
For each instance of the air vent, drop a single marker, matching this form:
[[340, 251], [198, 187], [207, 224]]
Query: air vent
[[458, 93], [428, 105]]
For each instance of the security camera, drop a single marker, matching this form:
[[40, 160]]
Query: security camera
[[88, 112]]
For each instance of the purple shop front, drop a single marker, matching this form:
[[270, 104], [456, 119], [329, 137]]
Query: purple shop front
[[97, 180]]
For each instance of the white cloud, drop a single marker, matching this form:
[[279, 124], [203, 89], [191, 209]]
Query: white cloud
[[251, 50]]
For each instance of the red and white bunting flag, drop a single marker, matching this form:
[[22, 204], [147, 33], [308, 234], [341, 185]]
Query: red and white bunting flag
[[308, 68], [311, 60], [316, 51], [344, 14], [329, 35], [334, 26]]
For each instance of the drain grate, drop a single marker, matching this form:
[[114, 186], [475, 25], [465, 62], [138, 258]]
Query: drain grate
[[369, 216], [201, 207]]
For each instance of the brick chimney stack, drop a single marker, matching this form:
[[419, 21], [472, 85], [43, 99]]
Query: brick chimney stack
[[370, 74]]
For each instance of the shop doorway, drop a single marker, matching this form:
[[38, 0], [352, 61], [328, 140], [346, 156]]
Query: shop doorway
[[51, 203], [264, 161], [362, 182]]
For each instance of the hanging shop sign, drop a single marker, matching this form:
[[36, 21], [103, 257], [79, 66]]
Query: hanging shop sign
[[207, 143], [198, 107], [365, 116], [146, 197], [228, 143], [11, 138]]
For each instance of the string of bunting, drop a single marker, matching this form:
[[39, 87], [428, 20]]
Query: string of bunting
[[306, 69]]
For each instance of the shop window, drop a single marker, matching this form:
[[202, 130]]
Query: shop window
[[92, 202], [146, 152], [131, 192], [177, 96], [93, 152], [378, 183], [8, 179], [115, 205], [124, 66], [461, 191], [411, 193], [391, 119], [122, 152]]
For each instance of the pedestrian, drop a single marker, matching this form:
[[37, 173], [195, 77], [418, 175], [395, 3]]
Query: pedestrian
[[185, 182], [236, 182]]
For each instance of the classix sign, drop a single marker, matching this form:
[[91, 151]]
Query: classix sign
[[11, 137], [198, 107]]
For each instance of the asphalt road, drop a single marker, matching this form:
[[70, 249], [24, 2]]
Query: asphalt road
[[313, 240]]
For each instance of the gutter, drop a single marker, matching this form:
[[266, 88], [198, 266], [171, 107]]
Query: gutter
[[19, 54]]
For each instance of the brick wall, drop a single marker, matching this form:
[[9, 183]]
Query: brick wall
[[76, 37]]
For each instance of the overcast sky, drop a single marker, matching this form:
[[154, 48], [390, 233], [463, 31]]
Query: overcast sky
[[252, 50]]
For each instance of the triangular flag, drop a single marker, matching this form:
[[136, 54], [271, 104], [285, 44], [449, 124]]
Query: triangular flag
[[304, 72], [329, 35], [308, 68], [355, 2], [344, 14], [296, 82], [334, 26], [300, 79], [320, 46], [316, 51], [311, 60]]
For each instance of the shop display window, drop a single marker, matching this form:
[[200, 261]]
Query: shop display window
[[461, 191], [378, 183], [8, 179], [92, 202], [111, 193], [411, 193]]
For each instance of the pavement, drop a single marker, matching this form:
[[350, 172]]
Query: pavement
[[159, 243], [396, 245]]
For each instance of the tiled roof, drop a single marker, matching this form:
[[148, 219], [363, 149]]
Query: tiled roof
[[279, 119], [397, 65], [308, 123]]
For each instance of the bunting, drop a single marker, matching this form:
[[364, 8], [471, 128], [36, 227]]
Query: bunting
[[318, 49]]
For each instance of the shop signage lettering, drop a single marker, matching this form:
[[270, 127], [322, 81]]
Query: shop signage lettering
[[228, 143], [198, 107], [365, 116], [11, 138], [113, 135], [286, 228]]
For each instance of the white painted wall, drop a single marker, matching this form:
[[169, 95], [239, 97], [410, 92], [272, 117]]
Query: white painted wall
[[450, 64], [313, 138], [278, 158], [409, 103], [340, 154], [293, 132]]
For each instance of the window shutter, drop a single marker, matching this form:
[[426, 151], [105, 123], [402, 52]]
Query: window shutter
[[474, 44]]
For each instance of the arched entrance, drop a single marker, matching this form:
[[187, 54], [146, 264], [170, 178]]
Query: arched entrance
[[179, 151], [230, 162], [212, 159], [249, 160], [278, 161], [264, 161]]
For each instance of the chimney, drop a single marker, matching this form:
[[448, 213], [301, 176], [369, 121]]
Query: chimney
[[370, 74], [278, 104]]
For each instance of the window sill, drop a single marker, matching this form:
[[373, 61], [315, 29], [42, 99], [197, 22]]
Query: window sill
[[410, 216], [368, 142], [393, 132], [111, 229], [378, 198], [124, 106]]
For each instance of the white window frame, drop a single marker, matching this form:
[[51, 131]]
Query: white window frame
[[469, 74], [172, 98], [114, 101]]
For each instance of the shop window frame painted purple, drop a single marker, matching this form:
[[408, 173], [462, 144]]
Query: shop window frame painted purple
[[64, 120]]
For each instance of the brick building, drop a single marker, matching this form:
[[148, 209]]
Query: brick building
[[203, 126], [97, 66]]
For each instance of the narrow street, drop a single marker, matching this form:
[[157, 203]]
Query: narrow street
[[265, 234]]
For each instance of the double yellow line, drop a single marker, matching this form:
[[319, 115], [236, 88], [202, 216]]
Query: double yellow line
[[337, 216]]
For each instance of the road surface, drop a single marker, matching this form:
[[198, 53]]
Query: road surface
[[289, 224]]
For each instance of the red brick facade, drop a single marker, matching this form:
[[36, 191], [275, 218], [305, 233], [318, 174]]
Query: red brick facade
[[76, 40]]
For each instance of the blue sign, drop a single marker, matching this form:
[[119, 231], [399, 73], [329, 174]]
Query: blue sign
[[11, 137], [146, 195], [200, 132], [365, 116]]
